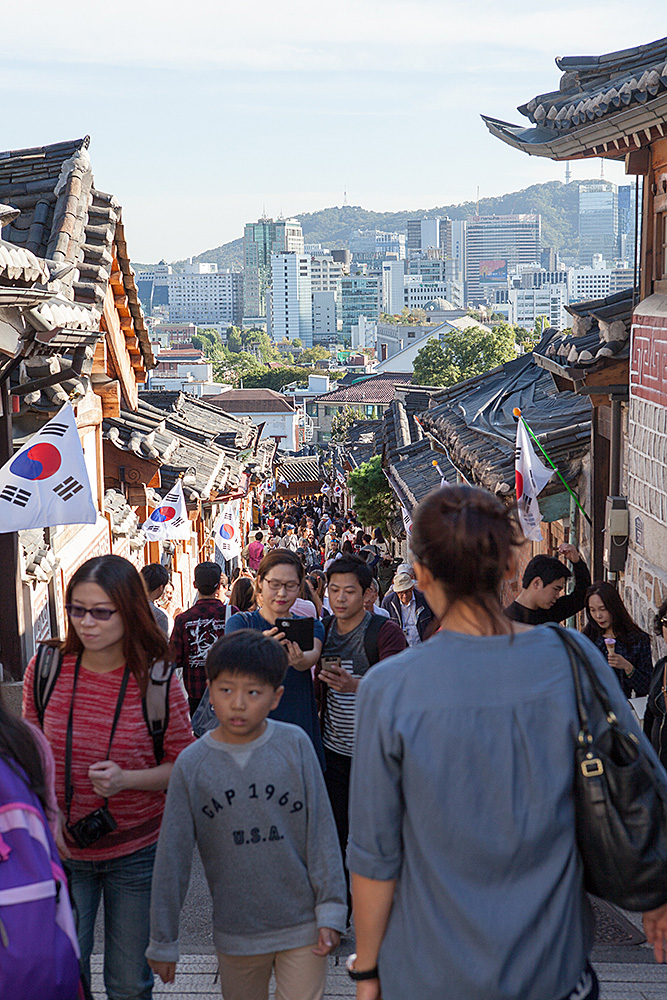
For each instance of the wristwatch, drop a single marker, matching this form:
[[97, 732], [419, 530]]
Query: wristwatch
[[358, 976]]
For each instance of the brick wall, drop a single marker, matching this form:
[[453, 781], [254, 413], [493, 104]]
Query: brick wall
[[643, 584]]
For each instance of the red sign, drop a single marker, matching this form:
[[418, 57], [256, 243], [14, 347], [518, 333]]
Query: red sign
[[648, 363]]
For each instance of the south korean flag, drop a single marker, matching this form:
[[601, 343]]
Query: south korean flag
[[170, 519], [46, 483]]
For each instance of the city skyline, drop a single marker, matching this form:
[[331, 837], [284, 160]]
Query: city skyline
[[200, 123]]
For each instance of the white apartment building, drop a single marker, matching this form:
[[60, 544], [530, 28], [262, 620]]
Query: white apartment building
[[393, 274], [526, 304], [597, 282], [203, 294], [325, 317], [417, 292], [291, 297], [325, 274]]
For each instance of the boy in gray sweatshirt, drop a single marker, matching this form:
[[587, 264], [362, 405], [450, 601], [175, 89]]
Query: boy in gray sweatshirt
[[251, 795]]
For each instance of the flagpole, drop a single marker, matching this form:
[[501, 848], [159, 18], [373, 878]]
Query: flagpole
[[12, 627], [517, 413]]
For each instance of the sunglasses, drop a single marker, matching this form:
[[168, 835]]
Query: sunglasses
[[99, 614]]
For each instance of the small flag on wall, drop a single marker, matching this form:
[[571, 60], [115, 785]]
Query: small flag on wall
[[170, 519]]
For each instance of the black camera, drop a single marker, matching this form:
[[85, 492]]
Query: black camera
[[89, 829]]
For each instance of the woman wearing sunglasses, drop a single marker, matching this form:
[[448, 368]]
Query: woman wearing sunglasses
[[109, 785], [279, 578]]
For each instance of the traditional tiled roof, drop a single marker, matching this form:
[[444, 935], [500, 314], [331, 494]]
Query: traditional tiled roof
[[600, 334], [70, 225], [363, 439], [252, 401], [605, 105], [372, 390], [304, 469], [473, 422], [124, 521], [150, 434], [407, 455]]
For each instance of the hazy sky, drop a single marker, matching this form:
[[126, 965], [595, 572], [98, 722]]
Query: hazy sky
[[203, 113]]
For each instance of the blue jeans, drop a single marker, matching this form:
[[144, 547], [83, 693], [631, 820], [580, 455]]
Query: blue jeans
[[126, 885]]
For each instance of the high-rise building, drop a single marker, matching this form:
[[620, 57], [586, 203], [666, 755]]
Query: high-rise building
[[429, 233], [598, 221], [291, 297], [372, 244], [325, 317], [261, 240], [202, 294], [359, 297], [626, 221], [492, 239], [393, 276]]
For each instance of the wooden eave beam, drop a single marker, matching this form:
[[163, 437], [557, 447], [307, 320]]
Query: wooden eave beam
[[118, 350]]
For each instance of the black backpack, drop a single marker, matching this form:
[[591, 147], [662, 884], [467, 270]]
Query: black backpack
[[155, 702]]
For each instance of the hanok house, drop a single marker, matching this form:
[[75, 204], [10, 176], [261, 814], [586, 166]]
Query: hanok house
[[218, 456], [473, 423], [368, 397], [298, 477], [71, 327], [614, 106]]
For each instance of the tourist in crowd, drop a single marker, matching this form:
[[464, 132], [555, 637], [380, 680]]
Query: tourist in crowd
[[626, 646], [476, 884], [113, 802], [278, 584], [242, 597], [371, 599], [156, 578], [355, 641], [408, 607], [196, 629], [256, 551], [290, 540], [278, 908], [655, 717], [542, 597]]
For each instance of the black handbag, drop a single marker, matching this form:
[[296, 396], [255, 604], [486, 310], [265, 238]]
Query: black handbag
[[620, 804]]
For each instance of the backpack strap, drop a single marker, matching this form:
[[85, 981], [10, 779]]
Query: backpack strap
[[48, 662], [155, 704], [371, 638]]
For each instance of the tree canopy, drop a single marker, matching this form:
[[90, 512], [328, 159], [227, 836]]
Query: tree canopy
[[462, 354], [374, 499]]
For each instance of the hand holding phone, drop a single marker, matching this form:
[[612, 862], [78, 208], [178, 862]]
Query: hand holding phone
[[336, 677]]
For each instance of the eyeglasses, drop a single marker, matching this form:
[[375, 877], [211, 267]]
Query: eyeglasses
[[277, 585], [99, 614]]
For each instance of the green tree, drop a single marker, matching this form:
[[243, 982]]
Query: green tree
[[462, 354], [312, 354], [297, 342], [276, 378], [234, 342], [373, 497], [342, 419]]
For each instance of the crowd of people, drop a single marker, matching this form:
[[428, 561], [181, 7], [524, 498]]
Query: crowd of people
[[350, 740]]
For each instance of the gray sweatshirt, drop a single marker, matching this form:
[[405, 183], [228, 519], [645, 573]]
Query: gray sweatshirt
[[260, 815]]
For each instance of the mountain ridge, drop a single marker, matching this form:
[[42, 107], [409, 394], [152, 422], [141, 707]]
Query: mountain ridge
[[556, 202]]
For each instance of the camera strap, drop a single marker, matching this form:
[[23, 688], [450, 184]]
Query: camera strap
[[69, 789]]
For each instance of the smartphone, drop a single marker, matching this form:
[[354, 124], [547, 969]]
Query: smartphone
[[331, 663], [299, 630]]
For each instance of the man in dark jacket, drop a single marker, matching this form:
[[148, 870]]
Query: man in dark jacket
[[542, 597], [408, 608]]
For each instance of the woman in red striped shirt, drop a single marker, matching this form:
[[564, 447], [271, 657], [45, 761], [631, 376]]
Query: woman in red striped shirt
[[113, 799]]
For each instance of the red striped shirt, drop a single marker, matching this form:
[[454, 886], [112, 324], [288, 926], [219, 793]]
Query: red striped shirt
[[137, 813]]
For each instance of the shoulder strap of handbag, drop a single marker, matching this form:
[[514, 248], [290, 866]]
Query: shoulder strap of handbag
[[578, 658], [155, 702]]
